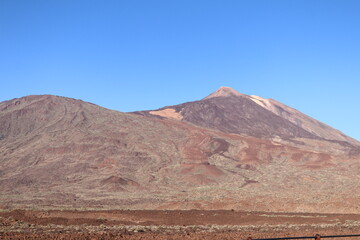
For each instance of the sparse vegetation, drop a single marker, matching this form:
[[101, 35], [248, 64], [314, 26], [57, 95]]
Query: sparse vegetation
[[166, 225]]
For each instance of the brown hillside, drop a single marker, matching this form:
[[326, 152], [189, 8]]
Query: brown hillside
[[61, 152]]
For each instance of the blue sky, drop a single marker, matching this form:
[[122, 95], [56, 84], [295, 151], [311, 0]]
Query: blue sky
[[132, 55]]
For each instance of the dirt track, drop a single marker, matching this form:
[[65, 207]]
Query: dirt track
[[20, 224]]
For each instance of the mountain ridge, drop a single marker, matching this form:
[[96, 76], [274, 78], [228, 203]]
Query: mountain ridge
[[63, 152]]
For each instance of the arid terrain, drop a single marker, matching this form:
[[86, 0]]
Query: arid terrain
[[192, 224], [228, 151]]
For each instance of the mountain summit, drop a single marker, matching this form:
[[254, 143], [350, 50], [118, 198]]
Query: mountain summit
[[224, 92]]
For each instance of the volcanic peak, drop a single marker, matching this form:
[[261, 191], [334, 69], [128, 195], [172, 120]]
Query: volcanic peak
[[224, 92]]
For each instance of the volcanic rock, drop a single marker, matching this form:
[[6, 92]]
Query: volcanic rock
[[227, 151]]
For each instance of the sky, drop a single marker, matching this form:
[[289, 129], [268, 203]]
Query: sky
[[130, 55]]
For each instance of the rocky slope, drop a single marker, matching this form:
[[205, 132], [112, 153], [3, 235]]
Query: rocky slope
[[225, 151], [230, 111]]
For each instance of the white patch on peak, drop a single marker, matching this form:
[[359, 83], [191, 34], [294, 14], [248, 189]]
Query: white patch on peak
[[265, 103]]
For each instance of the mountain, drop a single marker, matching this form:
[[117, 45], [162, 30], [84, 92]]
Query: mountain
[[226, 151], [230, 111]]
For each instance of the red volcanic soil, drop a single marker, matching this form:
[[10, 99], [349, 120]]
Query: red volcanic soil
[[224, 152], [192, 224]]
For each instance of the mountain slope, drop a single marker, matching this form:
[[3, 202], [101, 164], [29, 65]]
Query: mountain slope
[[230, 111], [62, 152], [309, 124]]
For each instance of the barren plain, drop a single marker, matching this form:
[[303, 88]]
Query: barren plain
[[157, 224]]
